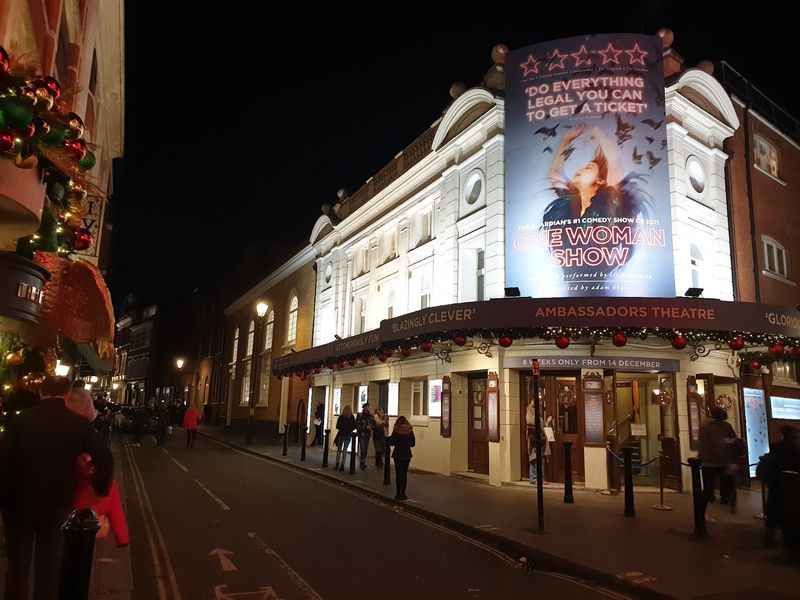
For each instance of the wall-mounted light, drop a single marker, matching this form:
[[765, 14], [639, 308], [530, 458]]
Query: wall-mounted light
[[62, 370], [261, 309]]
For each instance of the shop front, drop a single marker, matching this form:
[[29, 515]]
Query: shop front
[[462, 375]]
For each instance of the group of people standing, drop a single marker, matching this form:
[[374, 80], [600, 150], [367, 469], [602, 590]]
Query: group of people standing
[[52, 461], [375, 425]]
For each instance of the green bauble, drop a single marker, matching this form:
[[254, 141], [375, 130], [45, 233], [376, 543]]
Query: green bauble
[[56, 136], [56, 191], [88, 161], [18, 112], [2, 120]]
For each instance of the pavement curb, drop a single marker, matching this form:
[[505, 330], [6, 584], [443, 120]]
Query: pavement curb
[[536, 558]]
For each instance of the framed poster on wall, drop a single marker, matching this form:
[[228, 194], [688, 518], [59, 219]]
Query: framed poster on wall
[[444, 425], [595, 432], [493, 407], [695, 408]]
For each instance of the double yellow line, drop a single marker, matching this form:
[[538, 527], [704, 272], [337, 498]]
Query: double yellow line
[[162, 566]]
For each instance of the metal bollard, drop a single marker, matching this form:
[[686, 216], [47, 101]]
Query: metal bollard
[[627, 453], [326, 448], [353, 437], [303, 439], [698, 501], [387, 477], [285, 450], [662, 460], [79, 530], [568, 498]]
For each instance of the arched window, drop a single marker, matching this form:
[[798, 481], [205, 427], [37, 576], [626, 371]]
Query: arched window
[[293, 306], [251, 338], [696, 261], [268, 331], [235, 350]]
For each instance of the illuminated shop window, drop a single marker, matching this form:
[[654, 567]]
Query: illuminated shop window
[[766, 156], [775, 257]]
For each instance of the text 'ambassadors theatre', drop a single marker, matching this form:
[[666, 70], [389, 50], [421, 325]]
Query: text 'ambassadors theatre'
[[583, 206]]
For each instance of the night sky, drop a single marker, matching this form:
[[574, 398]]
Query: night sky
[[240, 125]]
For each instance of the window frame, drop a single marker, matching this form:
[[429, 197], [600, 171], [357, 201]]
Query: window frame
[[770, 243], [269, 331], [294, 308], [758, 140]]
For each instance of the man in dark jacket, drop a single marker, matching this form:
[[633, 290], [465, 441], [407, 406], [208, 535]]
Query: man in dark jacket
[[38, 457], [718, 454], [364, 425]]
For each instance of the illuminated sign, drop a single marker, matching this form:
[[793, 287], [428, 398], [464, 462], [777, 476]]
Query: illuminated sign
[[587, 191], [785, 408]]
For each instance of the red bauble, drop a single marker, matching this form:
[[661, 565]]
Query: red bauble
[[7, 141], [75, 148], [405, 351], [795, 352], [562, 341], [53, 87], [81, 239], [620, 339], [777, 349], [367, 360], [386, 353], [459, 340], [505, 341], [382, 358], [426, 346], [5, 60], [679, 342], [736, 343], [754, 365]]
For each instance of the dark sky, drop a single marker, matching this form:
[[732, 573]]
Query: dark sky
[[240, 125]]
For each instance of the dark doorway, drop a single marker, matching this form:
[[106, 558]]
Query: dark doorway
[[478, 437]]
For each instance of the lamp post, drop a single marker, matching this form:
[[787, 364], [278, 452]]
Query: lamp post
[[179, 362], [255, 377]]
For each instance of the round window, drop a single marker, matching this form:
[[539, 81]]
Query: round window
[[697, 175], [473, 190], [328, 272]]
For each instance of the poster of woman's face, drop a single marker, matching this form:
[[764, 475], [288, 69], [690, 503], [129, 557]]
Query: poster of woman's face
[[587, 193]]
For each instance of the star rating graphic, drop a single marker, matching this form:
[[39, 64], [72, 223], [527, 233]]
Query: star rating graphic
[[531, 66], [636, 55], [582, 57], [556, 60], [610, 54]]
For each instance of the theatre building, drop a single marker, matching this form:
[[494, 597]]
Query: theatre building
[[433, 293]]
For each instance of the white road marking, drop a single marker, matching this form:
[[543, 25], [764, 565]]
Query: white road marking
[[224, 561], [182, 467], [213, 496], [154, 536], [301, 583]]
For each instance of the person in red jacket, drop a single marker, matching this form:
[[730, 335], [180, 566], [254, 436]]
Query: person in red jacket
[[191, 420]]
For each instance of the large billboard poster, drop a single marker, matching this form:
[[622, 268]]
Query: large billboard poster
[[587, 193]]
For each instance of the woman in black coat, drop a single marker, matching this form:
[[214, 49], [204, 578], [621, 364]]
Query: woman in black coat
[[345, 425], [403, 440]]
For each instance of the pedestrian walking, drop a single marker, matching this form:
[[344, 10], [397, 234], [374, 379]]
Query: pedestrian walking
[[364, 425], [782, 456], [38, 458], [379, 431], [319, 417], [191, 421], [162, 414], [97, 488], [718, 456], [403, 440], [345, 425]]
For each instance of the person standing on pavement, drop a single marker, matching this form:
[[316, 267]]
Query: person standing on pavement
[[163, 423], [782, 456], [319, 418], [717, 454], [38, 455], [379, 436], [364, 424], [403, 440], [345, 425], [191, 421]]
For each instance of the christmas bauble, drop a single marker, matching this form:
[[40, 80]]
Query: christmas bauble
[[88, 161], [5, 60], [795, 352], [426, 346], [43, 96], [53, 87], [76, 148], [777, 349], [14, 358], [459, 340], [405, 351], [18, 112], [82, 239], [28, 132], [679, 342], [619, 339], [386, 353], [55, 136], [42, 126], [382, 358], [754, 365], [736, 343], [562, 341], [7, 141], [76, 126], [505, 341]]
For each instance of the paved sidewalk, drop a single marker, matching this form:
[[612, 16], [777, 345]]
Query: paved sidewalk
[[591, 538]]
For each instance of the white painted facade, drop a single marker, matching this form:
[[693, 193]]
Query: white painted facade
[[432, 237]]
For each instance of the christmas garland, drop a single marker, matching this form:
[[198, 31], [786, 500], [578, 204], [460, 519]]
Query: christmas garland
[[37, 131], [778, 347]]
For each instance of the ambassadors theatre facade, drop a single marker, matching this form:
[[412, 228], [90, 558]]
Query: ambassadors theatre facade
[[551, 213]]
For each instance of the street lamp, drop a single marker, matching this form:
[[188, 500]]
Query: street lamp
[[179, 362], [255, 376]]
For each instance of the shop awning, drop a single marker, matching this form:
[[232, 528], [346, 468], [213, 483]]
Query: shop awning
[[535, 317]]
